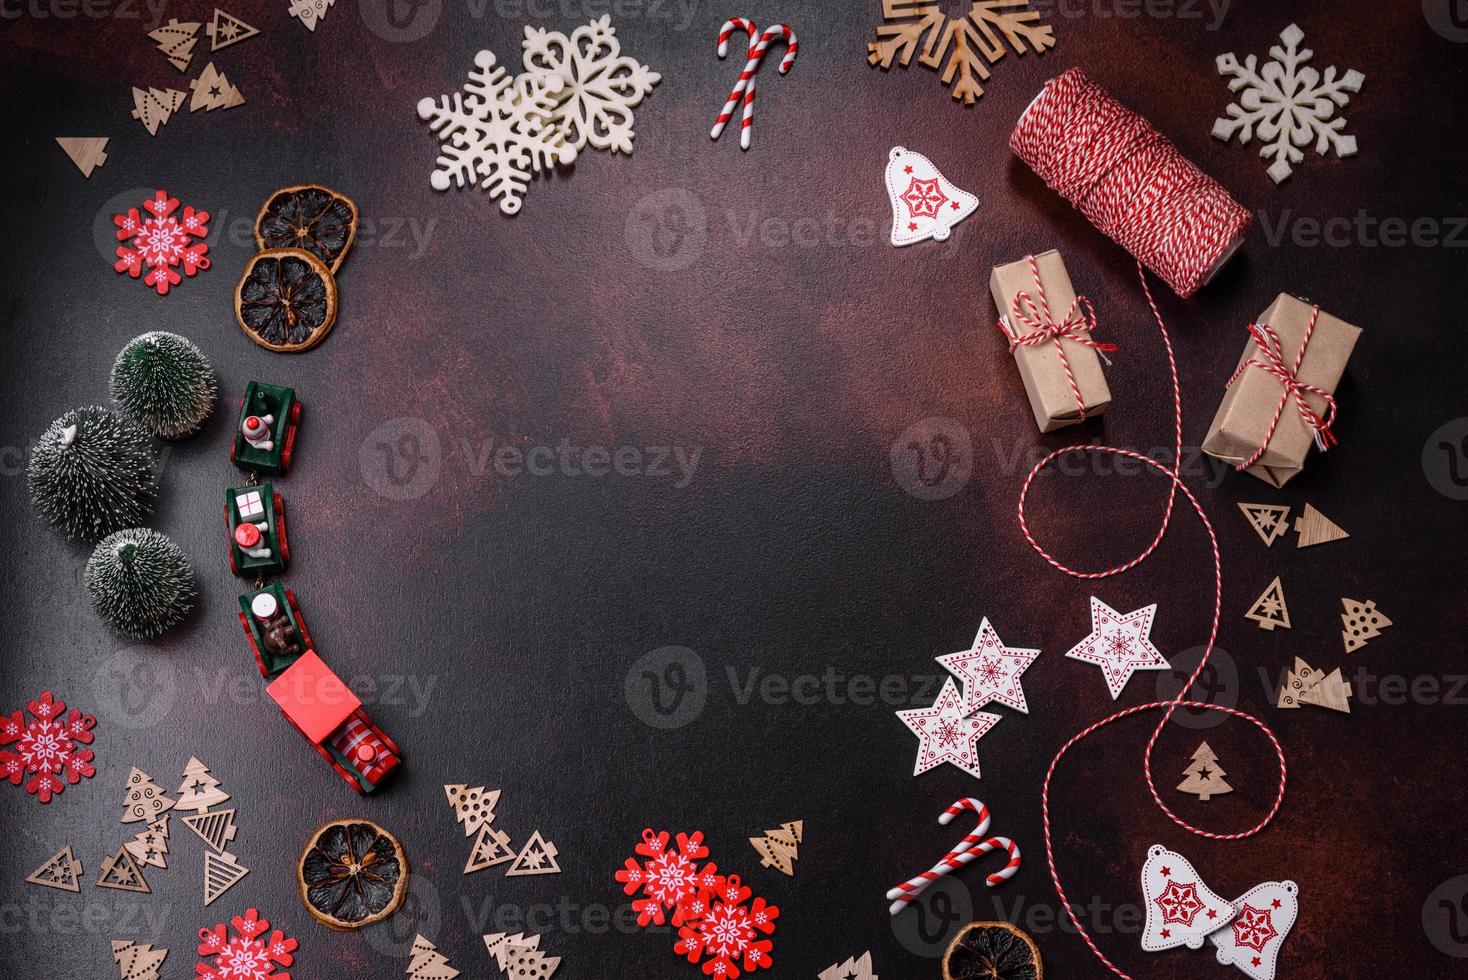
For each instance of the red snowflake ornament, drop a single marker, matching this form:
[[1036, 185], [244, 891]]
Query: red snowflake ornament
[[245, 955], [46, 748], [720, 925], [668, 878], [161, 242]]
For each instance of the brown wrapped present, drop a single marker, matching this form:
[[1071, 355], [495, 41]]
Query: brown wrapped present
[[1281, 397], [1049, 331]]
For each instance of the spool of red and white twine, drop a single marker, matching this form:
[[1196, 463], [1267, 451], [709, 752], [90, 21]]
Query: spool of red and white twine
[[1130, 181], [1135, 187]]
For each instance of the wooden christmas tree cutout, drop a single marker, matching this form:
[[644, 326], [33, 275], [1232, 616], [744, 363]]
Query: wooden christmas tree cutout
[[199, 790], [1204, 777], [859, 968], [1330, 692], [1362, 622], [778, 848], [213, 91], [87, 152], [473, 806], [503, 946], [221, 873], [309, 12], [119, 871], [62, 870], [137, 961], [153, 107], [215, 828], [151, 845], [1300, 679], [1269, 609], [1315, 528], [531, 964], [1269, 521], [428, 963], [226, 29], [176, 41], [537, 857], [143, 799], [491, 847]]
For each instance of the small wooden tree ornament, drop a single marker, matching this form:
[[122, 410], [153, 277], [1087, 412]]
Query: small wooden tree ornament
[[213, 91], [120, 872], [1301, 678], [215, 828], [1269, 609], [1362, 622], [491, 847], [154, 107], [143, 799], [428, 963], [1269, 521], [473, 805], [221, 873], [62, 870], [87, 152], [502, 946], [1315, 528], [226, 29], [779, 849], [137, 961], [859, 968], [199, 789], [176, 40], [1204, 777], [151, 846], [1331, 691], [537, 857]]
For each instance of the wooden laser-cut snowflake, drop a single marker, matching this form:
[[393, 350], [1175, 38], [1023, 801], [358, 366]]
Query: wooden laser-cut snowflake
[[969, 43]]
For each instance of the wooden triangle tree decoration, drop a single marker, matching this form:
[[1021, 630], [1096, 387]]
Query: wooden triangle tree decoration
[[215, 828], [142, 798], [154, 107], [1269, 521], [221, 873], [1204, 777], [428, 963], [176, 41], [87, 152], [1269, 609], [531, 964], [137, 961], [213, 91], [1301, 678], [1332, 692], [473, 806], [1362, 622], [1315, 528], [491, 847], [859, 968], [503, 946], [199, 790], [778, 848], [151, 845], [226, 29], [120, 872], [537, 857], [62, 870]]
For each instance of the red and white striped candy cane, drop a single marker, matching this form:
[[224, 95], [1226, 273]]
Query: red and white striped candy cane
[[745, 87], [973, 846]]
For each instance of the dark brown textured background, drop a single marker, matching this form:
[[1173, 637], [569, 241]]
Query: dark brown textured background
[[794, 367]]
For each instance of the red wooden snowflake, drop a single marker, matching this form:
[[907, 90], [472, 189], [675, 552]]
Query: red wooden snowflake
[[668, 878], [46, 748], [161, 242], [244, 956], [720, 926]]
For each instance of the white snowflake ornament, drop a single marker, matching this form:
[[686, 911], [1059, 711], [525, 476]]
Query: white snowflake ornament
[[599, 85], [1289, 102], [497, 132]]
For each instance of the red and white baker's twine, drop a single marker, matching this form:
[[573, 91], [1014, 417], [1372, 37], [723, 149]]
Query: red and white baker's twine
[[973, 846], [1266, 340], [1076, 326], [1129, 180], [745, 86]]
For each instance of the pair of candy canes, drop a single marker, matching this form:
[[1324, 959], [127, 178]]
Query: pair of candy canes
[[758, 44], [971, 847]]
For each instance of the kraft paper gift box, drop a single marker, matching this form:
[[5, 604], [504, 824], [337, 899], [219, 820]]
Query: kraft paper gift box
[[1249, 405], [1041, 365]]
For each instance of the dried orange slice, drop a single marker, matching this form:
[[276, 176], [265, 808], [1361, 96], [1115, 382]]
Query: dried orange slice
[[310, 217], [286, 299], [352, 874], [992, 951]]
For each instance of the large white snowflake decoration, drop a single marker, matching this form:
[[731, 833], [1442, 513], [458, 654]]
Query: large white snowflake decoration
[[600, 85], [497, 132], [245, 955], [1289, 102]]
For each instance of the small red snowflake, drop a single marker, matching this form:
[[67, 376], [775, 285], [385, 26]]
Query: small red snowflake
[[668, 878], [726, 930], [161, 242], [1254, 928], [245, 955], [46, 748]]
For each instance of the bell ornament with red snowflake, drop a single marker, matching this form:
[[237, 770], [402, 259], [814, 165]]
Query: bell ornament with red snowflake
[[924, 203]]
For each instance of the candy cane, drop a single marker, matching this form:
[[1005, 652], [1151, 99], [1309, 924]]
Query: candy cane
[[745, 87], [969, 849]]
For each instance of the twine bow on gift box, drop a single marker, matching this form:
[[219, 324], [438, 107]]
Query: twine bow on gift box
[[1076, 326], [1269, 356]]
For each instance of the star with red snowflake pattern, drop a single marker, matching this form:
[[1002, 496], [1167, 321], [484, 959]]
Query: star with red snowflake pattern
[[1119, 644], [945, 734], [1179, 903], [924, 198], [1253, 928], [990, 671]]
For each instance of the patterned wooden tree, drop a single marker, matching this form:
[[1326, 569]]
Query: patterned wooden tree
[[1362, 621], [199, 790], [779, 848], [473, 805], [143, 799], [137, 961], [1204, 777], [428, 963], [151, 846]]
